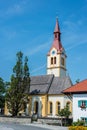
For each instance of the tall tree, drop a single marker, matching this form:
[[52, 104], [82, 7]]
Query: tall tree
[[2, 93], [17, 93]]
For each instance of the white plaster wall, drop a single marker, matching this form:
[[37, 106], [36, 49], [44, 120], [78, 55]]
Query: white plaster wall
[[77, 112], [61, 98], [55, 68], [49, 59], [55, 71]]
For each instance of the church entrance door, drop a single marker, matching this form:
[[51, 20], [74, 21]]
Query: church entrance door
[[36, 107]]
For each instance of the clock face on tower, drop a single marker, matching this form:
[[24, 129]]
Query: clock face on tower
[[53, 52]]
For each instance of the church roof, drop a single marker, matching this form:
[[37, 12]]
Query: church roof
[[48, 84], [57, 45], [59, 84], [80, 87], [40, 84]]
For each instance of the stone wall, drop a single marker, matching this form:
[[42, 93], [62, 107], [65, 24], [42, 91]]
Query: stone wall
[[25, 120], [54, 121], [28, 120]]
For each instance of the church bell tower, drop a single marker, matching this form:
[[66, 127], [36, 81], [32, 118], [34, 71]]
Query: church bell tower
[[56, 57]]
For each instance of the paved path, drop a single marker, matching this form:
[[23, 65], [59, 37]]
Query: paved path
[[9, 126], [50, 127]]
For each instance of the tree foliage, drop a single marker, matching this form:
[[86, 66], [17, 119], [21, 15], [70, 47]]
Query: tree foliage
[[64, 113], [2, 93], [17, 93]]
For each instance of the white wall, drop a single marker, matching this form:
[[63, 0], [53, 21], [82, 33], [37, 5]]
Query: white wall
[[61, 98], [57, 69], [77, 112]]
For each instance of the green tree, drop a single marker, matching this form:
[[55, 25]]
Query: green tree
[[2, 93], [64, 113], [17, 93]]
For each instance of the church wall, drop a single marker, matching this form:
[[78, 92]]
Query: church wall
[[42, 105], [58, 98], [58, 69], [55, 71], [53, 68], [6, 112], [38, 99]]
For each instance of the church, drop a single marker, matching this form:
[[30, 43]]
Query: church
[[45, 97]]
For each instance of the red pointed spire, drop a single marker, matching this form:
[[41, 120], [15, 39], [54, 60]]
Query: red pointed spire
[[57, 40], [57, 29]]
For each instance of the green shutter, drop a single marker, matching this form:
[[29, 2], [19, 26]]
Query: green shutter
[[79, 103], [86, 103]]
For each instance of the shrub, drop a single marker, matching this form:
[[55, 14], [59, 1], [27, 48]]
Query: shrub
[[78, 123]]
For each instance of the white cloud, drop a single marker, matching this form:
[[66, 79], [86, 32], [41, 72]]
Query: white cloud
[[74, 34], [76, 45], [36, 49], [38, 69]]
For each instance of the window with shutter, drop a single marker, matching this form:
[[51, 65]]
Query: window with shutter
[[82, 104]]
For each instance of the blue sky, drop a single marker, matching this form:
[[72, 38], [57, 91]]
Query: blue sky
[[28, 25]]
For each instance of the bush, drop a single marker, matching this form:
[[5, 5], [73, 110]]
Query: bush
[[78, 123]]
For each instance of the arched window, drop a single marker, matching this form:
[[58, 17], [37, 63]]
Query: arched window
[[50, 108], [51, 60], [54, 60], [62, 61], [68, 104], [58, 107]]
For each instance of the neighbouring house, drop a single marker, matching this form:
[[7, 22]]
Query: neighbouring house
[[46, 98], [78, 92]]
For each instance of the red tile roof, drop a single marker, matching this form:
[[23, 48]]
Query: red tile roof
[[80, 87]]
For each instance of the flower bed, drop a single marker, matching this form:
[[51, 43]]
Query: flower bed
[[77, 128]]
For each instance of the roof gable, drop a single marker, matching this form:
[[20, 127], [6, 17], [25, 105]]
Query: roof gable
[[80, 87]]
